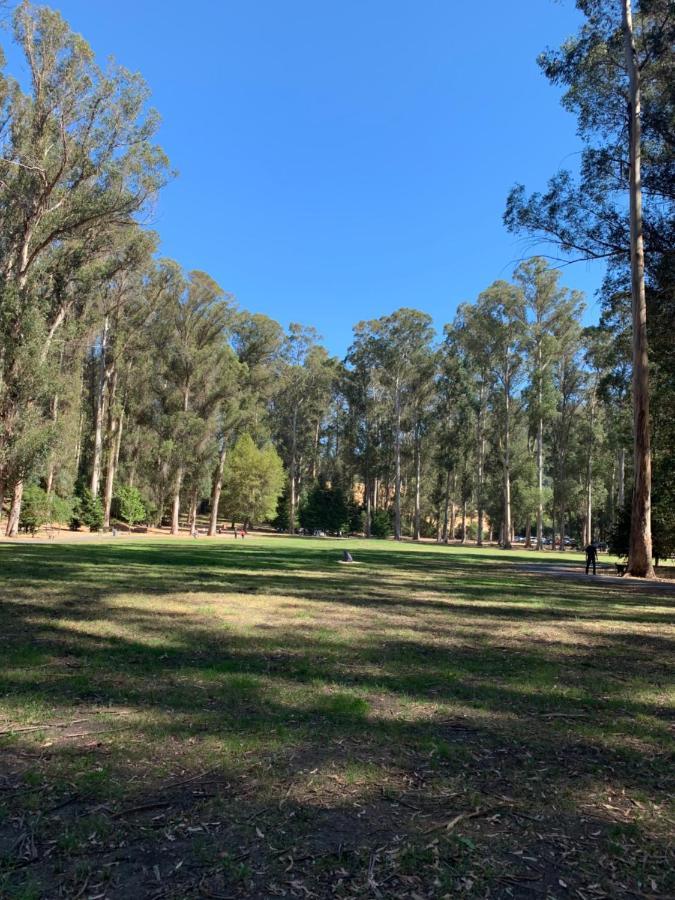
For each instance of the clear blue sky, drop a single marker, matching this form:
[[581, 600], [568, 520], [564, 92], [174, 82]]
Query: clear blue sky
[[341, 158]]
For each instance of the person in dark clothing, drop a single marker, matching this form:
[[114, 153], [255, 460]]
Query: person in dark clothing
[[591, 557]]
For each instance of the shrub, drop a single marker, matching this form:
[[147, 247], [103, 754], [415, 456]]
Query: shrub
[[380, 524], [35, 508], [129, 506], [87, 510]]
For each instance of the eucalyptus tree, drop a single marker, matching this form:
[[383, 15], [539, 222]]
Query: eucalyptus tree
[[362, 389], [467, 340], [501, 312], [195, 365], [569, 380], [76, 160], [551, 312], [398, 348], [421, 410], [618, 75], [257, 341], [299, 404]]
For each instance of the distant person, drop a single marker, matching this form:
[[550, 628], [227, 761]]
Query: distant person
[[591, 557]]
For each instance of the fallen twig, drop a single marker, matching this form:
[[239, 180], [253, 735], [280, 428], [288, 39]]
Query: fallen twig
[[144, 807], [563, 715], [448, 826], [42, 727]]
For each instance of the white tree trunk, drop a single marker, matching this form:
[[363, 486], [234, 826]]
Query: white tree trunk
[[216, 491], [15, 511], [397, 466], [113, 460], [640, 550], [418, 479], [540, 484], [100, 415], [175, 510]]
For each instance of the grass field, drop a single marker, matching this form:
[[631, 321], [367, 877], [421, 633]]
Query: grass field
[[252, 719]]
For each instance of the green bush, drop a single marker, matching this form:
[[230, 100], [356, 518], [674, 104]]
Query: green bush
[[88, 511], [128, 506], [35, 508], [326, 509], [380, 524]]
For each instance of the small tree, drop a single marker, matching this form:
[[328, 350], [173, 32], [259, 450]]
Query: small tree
[[380, 527], [252, 481], [129, 506], [87, 510], [35, 509], [325, 508]]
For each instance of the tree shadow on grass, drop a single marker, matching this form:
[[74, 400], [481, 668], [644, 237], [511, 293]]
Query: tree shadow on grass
[[323, 729]]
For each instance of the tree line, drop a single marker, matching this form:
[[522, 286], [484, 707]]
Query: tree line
[[132, 390]]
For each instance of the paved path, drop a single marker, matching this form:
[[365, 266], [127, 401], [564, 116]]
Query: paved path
[[605, 576]]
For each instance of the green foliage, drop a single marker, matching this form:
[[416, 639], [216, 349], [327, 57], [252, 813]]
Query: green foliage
[[380, 524], [325, 508], [252, 481], [129, 506], [61, 509], [35, 510], [663, 530], [87, 511]]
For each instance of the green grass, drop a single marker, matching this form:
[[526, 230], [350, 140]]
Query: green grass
[[240, 719]]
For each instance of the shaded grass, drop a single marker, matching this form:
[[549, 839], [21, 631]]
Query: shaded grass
[[344, 712]]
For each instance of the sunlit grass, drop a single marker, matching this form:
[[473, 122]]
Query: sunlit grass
[[307, 687]]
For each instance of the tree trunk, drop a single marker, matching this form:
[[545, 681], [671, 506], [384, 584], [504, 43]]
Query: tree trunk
[[528, 534], [453, 508], [175, 511], [446, 510], [293, 498], [192, 515], [95, 481], [562, 528], [15, 511], [589, 501], [215, 492], [540, 483], [397, 467], [464, 521], [418, 477], [621, 499], [2, 495], [507, 472], [481, 469], [113, 461], [640, 549]]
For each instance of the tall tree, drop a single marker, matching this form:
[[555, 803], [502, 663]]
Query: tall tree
[[552, 311], [76, 161], [501, 310], [618, 73], [398, 347]]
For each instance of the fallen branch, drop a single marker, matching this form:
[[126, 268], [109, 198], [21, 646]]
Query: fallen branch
[[103, 731], [563, 715], [42, 727], [144, 807], [461, 817]]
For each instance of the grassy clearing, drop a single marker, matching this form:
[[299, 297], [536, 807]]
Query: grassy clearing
[[221, 719]]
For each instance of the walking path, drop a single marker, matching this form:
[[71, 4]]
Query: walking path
[[604, 576]]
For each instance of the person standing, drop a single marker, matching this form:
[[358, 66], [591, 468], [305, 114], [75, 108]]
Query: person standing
[[591, 557]]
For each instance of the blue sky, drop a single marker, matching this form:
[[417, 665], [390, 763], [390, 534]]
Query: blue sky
[[338, 160]]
